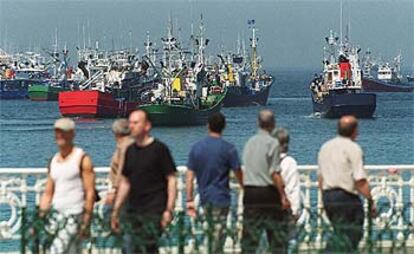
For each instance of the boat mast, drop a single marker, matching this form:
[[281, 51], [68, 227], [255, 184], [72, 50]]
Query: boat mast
[[340, 23], [84, 37], [202, 42], [254, 62]]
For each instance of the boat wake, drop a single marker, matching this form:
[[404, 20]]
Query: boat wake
[[315, 115]]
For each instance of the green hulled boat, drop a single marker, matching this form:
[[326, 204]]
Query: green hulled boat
[[185, 95], [178, 114], [44, 92]]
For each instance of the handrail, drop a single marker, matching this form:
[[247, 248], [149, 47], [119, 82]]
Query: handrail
[[301, 168]]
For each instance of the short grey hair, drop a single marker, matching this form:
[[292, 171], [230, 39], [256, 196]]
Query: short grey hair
[[266, 119], [120, 127], [283, 136]]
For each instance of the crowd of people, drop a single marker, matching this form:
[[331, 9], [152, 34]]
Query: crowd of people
[[143, 180]]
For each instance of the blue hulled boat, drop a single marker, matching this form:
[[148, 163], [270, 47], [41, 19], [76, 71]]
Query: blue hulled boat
[[384, 77], [13, 89], [342, 102], [246, 96], [247, 84], [337, 91]]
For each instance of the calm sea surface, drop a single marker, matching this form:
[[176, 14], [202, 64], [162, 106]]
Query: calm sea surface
[[26, 128]]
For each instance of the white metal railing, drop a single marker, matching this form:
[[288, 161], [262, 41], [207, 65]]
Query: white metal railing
[[393, 184]]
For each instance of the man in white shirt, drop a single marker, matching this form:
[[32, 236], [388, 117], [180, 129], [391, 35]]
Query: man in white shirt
[[289, 172], [69, 192], [342, 178]]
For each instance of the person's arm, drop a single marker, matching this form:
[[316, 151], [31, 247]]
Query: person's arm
[[113, 179], [296, 198], [235, 165], [362, 187], [172, 191], [189, 185], [278, 182], [361, 178], [320, 182], [277, 178], [88, 179], [169, 170], [46, 199], [121, 195], [238, 173], [189, 181]]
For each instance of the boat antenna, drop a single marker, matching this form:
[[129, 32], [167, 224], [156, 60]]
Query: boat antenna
[[89, 34], [130, 40], [348, 32], [340, 22], [238, 44], [56, 39], [84, 37], [77, 35]]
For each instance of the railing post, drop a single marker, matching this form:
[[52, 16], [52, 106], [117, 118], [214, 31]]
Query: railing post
[[181, 233], [23, 231], [369, 240]]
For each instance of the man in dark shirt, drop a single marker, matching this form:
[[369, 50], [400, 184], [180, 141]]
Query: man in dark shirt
[[148, 185], [211, 160]]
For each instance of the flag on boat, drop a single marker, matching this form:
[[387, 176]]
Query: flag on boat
[[250, 22]]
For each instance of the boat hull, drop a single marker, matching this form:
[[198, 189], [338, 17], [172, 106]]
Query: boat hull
[[375, 85], [336, 105], [167, 114], [93, 104], [13, 90], [238, 96], [44, 92], [176, 115]]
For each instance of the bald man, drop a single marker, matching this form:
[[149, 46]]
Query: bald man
[[342, 178], [264, 195], [148, 187]]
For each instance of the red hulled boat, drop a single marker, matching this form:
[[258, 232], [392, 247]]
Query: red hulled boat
[[93, 104]]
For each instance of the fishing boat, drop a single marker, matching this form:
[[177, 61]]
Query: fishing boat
[[60, 81], [184, 97], [112, 87], [22, 70], [410, 78], [247, 84], [337, 91], [170, 113], [383, 77], [16, 87]]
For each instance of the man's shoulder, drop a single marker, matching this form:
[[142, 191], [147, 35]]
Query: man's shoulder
[[227, 145], [288, 160], [159, 144], [200, 143], [341, 142], [332, 142]]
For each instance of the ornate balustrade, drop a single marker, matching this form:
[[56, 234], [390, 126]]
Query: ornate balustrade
[[392, 189]]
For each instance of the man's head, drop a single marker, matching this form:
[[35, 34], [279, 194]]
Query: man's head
[[216, 123], [64, 132], [120, 128], [266, 120], [283, 136], [139, 123], [348, 127]]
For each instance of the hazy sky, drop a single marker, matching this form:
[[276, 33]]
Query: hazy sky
[[291, 32]]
